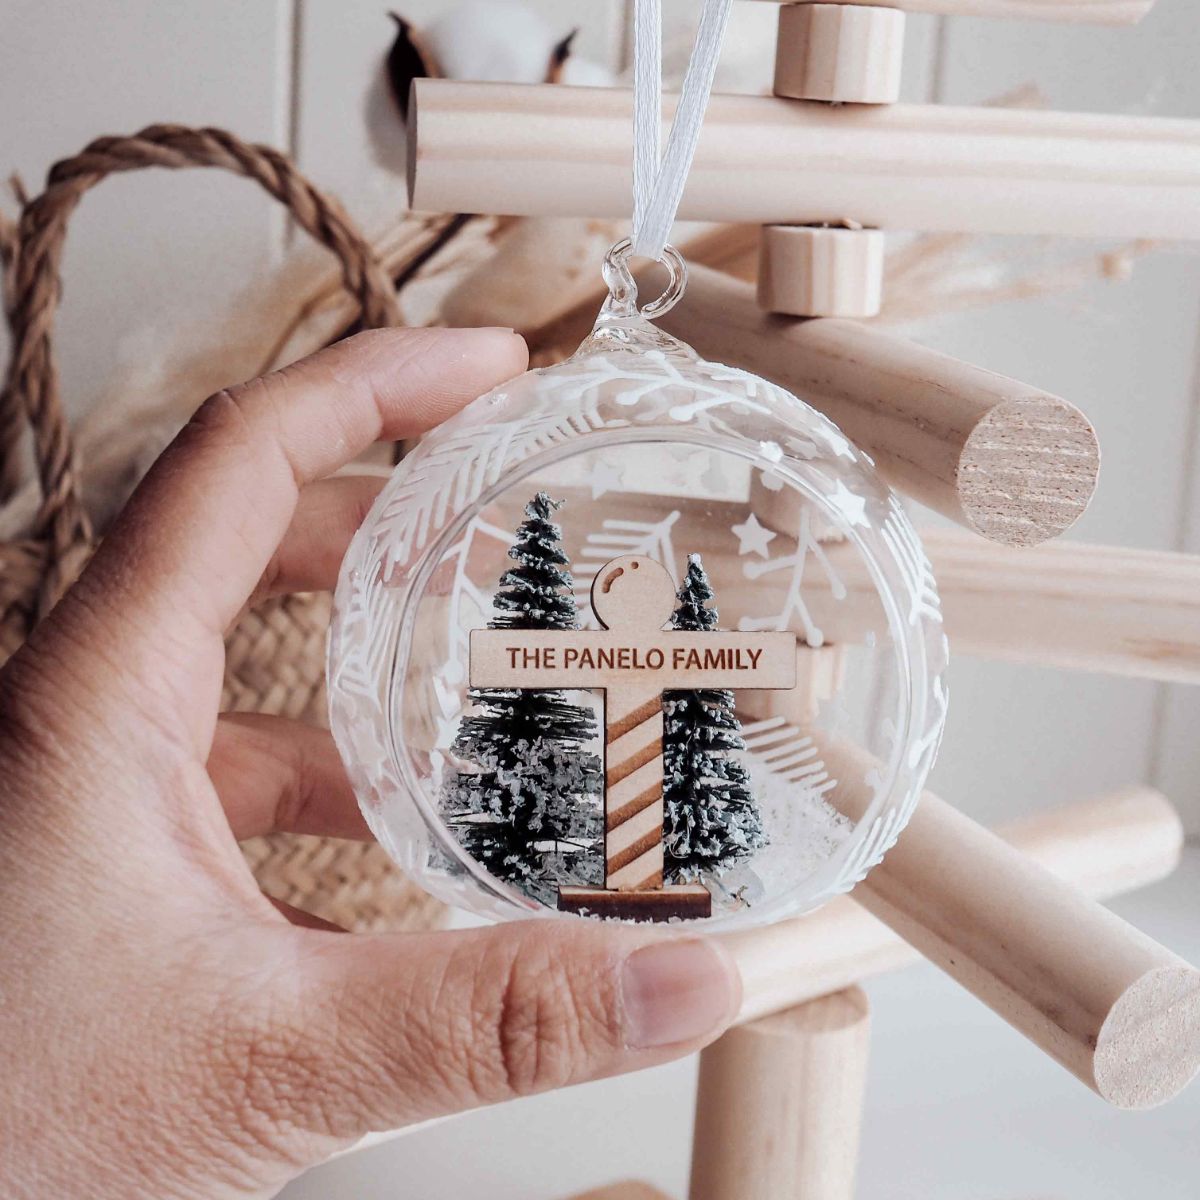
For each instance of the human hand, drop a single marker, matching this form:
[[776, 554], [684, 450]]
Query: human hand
[[164, 1030]]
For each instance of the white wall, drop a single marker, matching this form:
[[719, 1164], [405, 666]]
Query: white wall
[[147, 256], [1127, 355]]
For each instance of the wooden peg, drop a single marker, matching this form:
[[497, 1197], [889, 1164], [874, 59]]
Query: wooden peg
[[1119, 1011], [1006, 460], [1011, 462], [811, 271], [779, 1104], [1075, 605], [1102, 847], [842, 53]]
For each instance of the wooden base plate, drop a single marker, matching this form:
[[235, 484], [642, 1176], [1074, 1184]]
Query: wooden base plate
[[686, 901]]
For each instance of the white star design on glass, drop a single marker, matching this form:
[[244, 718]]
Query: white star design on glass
[[852, 507], [752, 537], [604, 478], [841, 447]]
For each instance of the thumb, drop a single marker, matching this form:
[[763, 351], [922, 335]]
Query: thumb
[[421, 1025]]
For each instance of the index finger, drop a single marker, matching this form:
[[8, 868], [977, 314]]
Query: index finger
[[186, 554]]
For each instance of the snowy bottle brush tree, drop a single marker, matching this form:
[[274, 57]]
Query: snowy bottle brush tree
[[712, 822], [530, 810]]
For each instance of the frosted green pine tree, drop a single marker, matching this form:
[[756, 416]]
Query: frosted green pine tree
[[712, 822], [528, 808]]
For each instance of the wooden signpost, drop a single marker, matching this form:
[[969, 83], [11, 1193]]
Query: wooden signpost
[[633, 660]]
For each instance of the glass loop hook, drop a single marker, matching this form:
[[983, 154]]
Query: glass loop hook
[[623, 289]]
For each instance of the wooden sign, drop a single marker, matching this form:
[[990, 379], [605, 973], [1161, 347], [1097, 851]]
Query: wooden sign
[[633, 660]]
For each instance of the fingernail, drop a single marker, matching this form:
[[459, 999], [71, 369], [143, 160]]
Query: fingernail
[[678, 991], [484, 332], [486, 339]]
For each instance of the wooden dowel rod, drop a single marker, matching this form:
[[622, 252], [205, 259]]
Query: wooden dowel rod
[[1093, 12], [1119, 1011], [779, 1105], [1102, 847], [1009, 461], [1006, 460], [548, 150], [1069, 605], [1073, 605]]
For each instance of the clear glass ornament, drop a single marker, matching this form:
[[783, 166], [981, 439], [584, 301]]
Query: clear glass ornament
[[656, 453]]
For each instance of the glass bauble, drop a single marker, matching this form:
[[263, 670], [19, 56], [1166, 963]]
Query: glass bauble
[[650, 452]]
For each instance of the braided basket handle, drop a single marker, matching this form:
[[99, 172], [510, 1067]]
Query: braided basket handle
[[31, 389]]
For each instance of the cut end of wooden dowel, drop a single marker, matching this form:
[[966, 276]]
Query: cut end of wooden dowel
[[1028, 470], [1148, 1049]]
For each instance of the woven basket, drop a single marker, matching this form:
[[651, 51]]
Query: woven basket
[[275, 658]]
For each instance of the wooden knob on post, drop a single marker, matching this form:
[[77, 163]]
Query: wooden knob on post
[[807, 271], [843, 53], [779, 1104]]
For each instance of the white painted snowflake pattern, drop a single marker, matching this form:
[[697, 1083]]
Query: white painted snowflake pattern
[[851, 506], [795, 606]]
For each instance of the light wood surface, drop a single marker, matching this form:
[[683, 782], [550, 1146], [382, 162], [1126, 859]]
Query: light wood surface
[[629, 1190], [1007, 460], [806, 271], [1119, 1011], [1102, 847], [544, 150], [843, 53], [1071, 604], [1098, 12], [1066, 604], [779, 1104]]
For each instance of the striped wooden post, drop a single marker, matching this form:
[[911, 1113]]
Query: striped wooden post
[[633, 660], [633, 789]]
